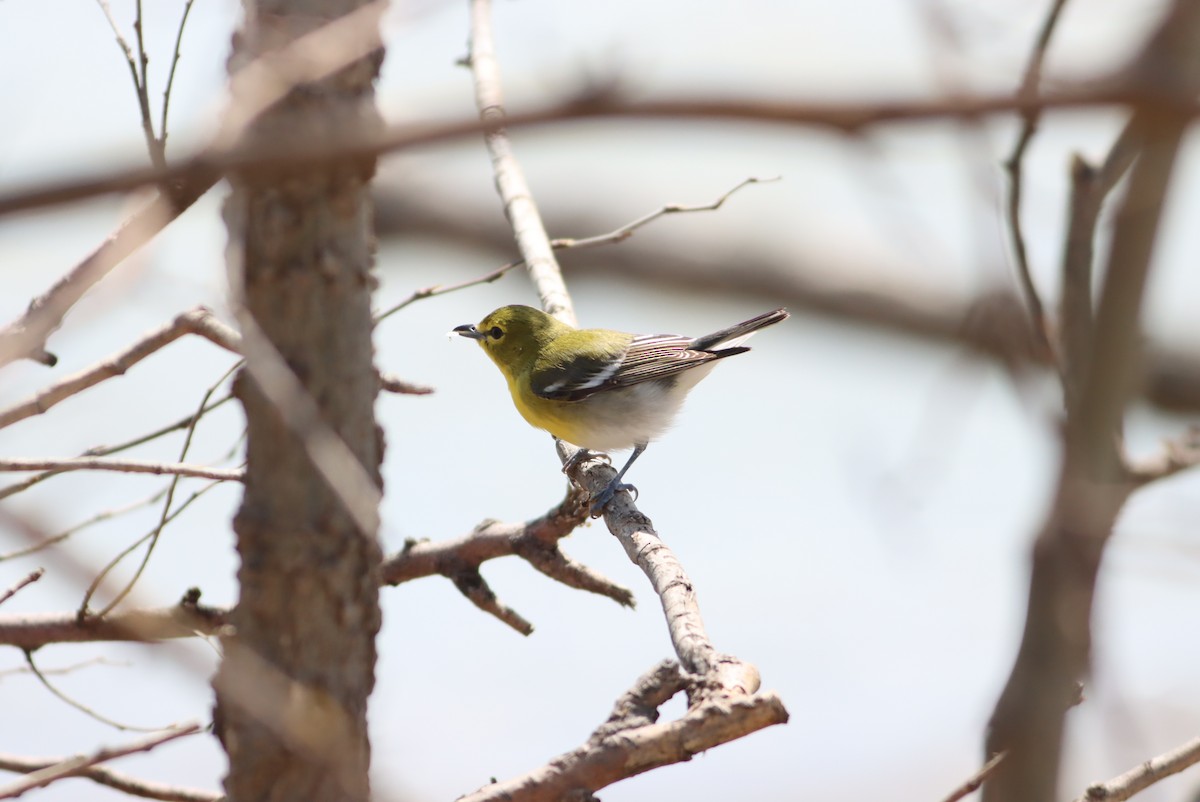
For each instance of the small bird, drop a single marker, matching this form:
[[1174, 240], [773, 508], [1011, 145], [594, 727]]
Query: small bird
[[600, 389]]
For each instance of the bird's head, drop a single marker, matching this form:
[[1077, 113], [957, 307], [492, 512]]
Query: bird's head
[[513, 335]]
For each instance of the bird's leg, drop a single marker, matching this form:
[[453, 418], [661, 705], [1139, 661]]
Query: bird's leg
[[615, 486]]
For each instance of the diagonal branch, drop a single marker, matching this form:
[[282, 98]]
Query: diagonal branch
[[256, 88], [519, 207], [74, 766], [632, 741], [1118, 789], [721, 672], [102, 775], [198, 321]]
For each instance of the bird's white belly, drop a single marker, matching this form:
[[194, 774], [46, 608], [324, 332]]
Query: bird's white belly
[[640, 413]]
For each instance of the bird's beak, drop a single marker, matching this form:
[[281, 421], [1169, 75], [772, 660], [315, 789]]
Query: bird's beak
[[467, 330]]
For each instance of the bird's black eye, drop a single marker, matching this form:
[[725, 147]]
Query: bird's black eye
[[496, 333]]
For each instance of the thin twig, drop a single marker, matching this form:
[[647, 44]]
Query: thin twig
[[564, 243], [121, 466], [175, 56], [103, 775], [77, 765], [443, 289], [67, 669], [94, 586], [198, 321], [1139, 779], [28, 579], [104, 451], [99, 517], [320, 53], [626, 231], [80, 706], [158, 155], [972, 783], [163, 518], [1013, 166]]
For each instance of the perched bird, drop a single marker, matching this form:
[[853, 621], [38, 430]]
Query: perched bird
[[600, 389]]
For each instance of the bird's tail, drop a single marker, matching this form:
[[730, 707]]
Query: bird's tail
[[738, 332]]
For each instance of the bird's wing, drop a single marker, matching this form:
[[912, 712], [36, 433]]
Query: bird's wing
[[645, 358]]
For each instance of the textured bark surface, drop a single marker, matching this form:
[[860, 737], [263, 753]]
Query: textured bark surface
[[293, 686]]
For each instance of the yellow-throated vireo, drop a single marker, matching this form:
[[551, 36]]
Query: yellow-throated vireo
[[600, 389]]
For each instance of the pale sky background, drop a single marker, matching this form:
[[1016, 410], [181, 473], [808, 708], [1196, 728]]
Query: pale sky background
[[855, 508]]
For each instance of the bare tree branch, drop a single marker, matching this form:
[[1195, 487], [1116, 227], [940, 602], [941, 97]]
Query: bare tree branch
[[80, 706], [104, 451], [74, 766], [175, 56], [28, 579], [972, 783], [1094, 483], [1089, 189], [631, 742], [1151, 771], [839, 117], [535, 541], [256, 88], [992, 325], [120, 466], [394, 384], [112, 779], [1013, 165], [184, 620], [519, 206], [198, 321], [675, 590]]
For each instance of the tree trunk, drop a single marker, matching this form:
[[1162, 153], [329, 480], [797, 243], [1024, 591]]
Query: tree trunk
[[299, 665]]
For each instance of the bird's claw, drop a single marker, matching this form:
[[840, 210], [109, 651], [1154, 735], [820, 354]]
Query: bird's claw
[[583, 455], [600, 501]]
